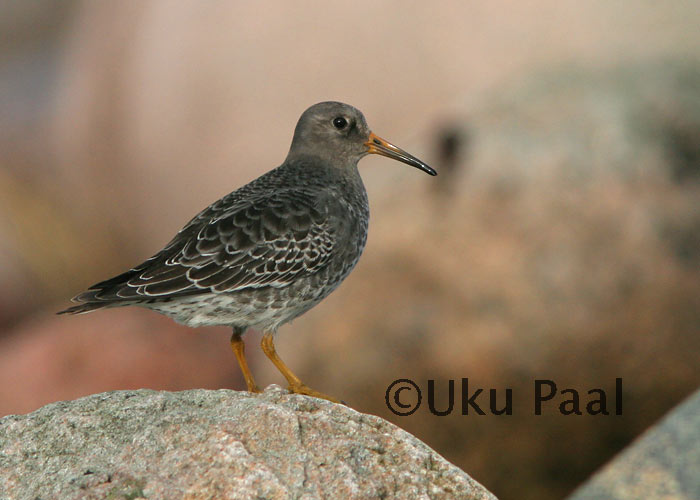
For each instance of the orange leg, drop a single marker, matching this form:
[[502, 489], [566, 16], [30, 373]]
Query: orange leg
[[295, 384], [239, 350]]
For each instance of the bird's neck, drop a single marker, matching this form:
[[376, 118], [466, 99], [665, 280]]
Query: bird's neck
[[332, 166]]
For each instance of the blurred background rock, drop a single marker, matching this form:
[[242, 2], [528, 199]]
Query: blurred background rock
[[561, 240]]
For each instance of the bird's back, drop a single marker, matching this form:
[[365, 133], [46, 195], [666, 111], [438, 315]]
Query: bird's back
[[263, 254]]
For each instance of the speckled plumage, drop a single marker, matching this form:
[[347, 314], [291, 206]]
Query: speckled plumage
[[260, 256], [271, 250]]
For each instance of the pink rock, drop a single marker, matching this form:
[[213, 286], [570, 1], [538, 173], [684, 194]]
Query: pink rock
[[57, 358], [218, 444]]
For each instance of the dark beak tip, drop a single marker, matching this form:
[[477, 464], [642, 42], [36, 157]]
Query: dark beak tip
[[377, 145], [426, 168]]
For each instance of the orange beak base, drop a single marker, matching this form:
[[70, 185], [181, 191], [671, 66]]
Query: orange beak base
[[377, 145]]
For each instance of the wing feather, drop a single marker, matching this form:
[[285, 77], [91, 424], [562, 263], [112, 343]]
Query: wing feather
[[267, 241]]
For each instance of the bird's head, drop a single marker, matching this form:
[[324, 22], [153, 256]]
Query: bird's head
[[339, 131]]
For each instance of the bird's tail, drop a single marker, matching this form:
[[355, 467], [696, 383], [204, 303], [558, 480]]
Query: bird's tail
[[89, 301], [99, 296], [85, 308]]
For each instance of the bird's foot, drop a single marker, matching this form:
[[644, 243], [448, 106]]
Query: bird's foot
[[308, 391]]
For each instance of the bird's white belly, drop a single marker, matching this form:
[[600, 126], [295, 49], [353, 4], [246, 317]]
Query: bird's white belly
[[230, 310]]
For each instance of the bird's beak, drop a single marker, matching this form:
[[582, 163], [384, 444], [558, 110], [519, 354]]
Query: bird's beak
[[377, 145]]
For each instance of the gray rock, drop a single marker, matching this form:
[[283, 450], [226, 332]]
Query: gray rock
[[664, 463], [201, 444]]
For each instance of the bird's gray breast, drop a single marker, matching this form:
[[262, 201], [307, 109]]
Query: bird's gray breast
[[348, 217]]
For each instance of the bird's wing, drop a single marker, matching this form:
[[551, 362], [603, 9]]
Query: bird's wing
[[268, 241]]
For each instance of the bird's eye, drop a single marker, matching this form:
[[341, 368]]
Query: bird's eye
[[339, 122]]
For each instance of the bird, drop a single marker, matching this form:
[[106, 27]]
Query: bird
[[269, 251]]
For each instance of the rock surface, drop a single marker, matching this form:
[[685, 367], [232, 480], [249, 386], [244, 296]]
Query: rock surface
[[663, 464], [217, 444]]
